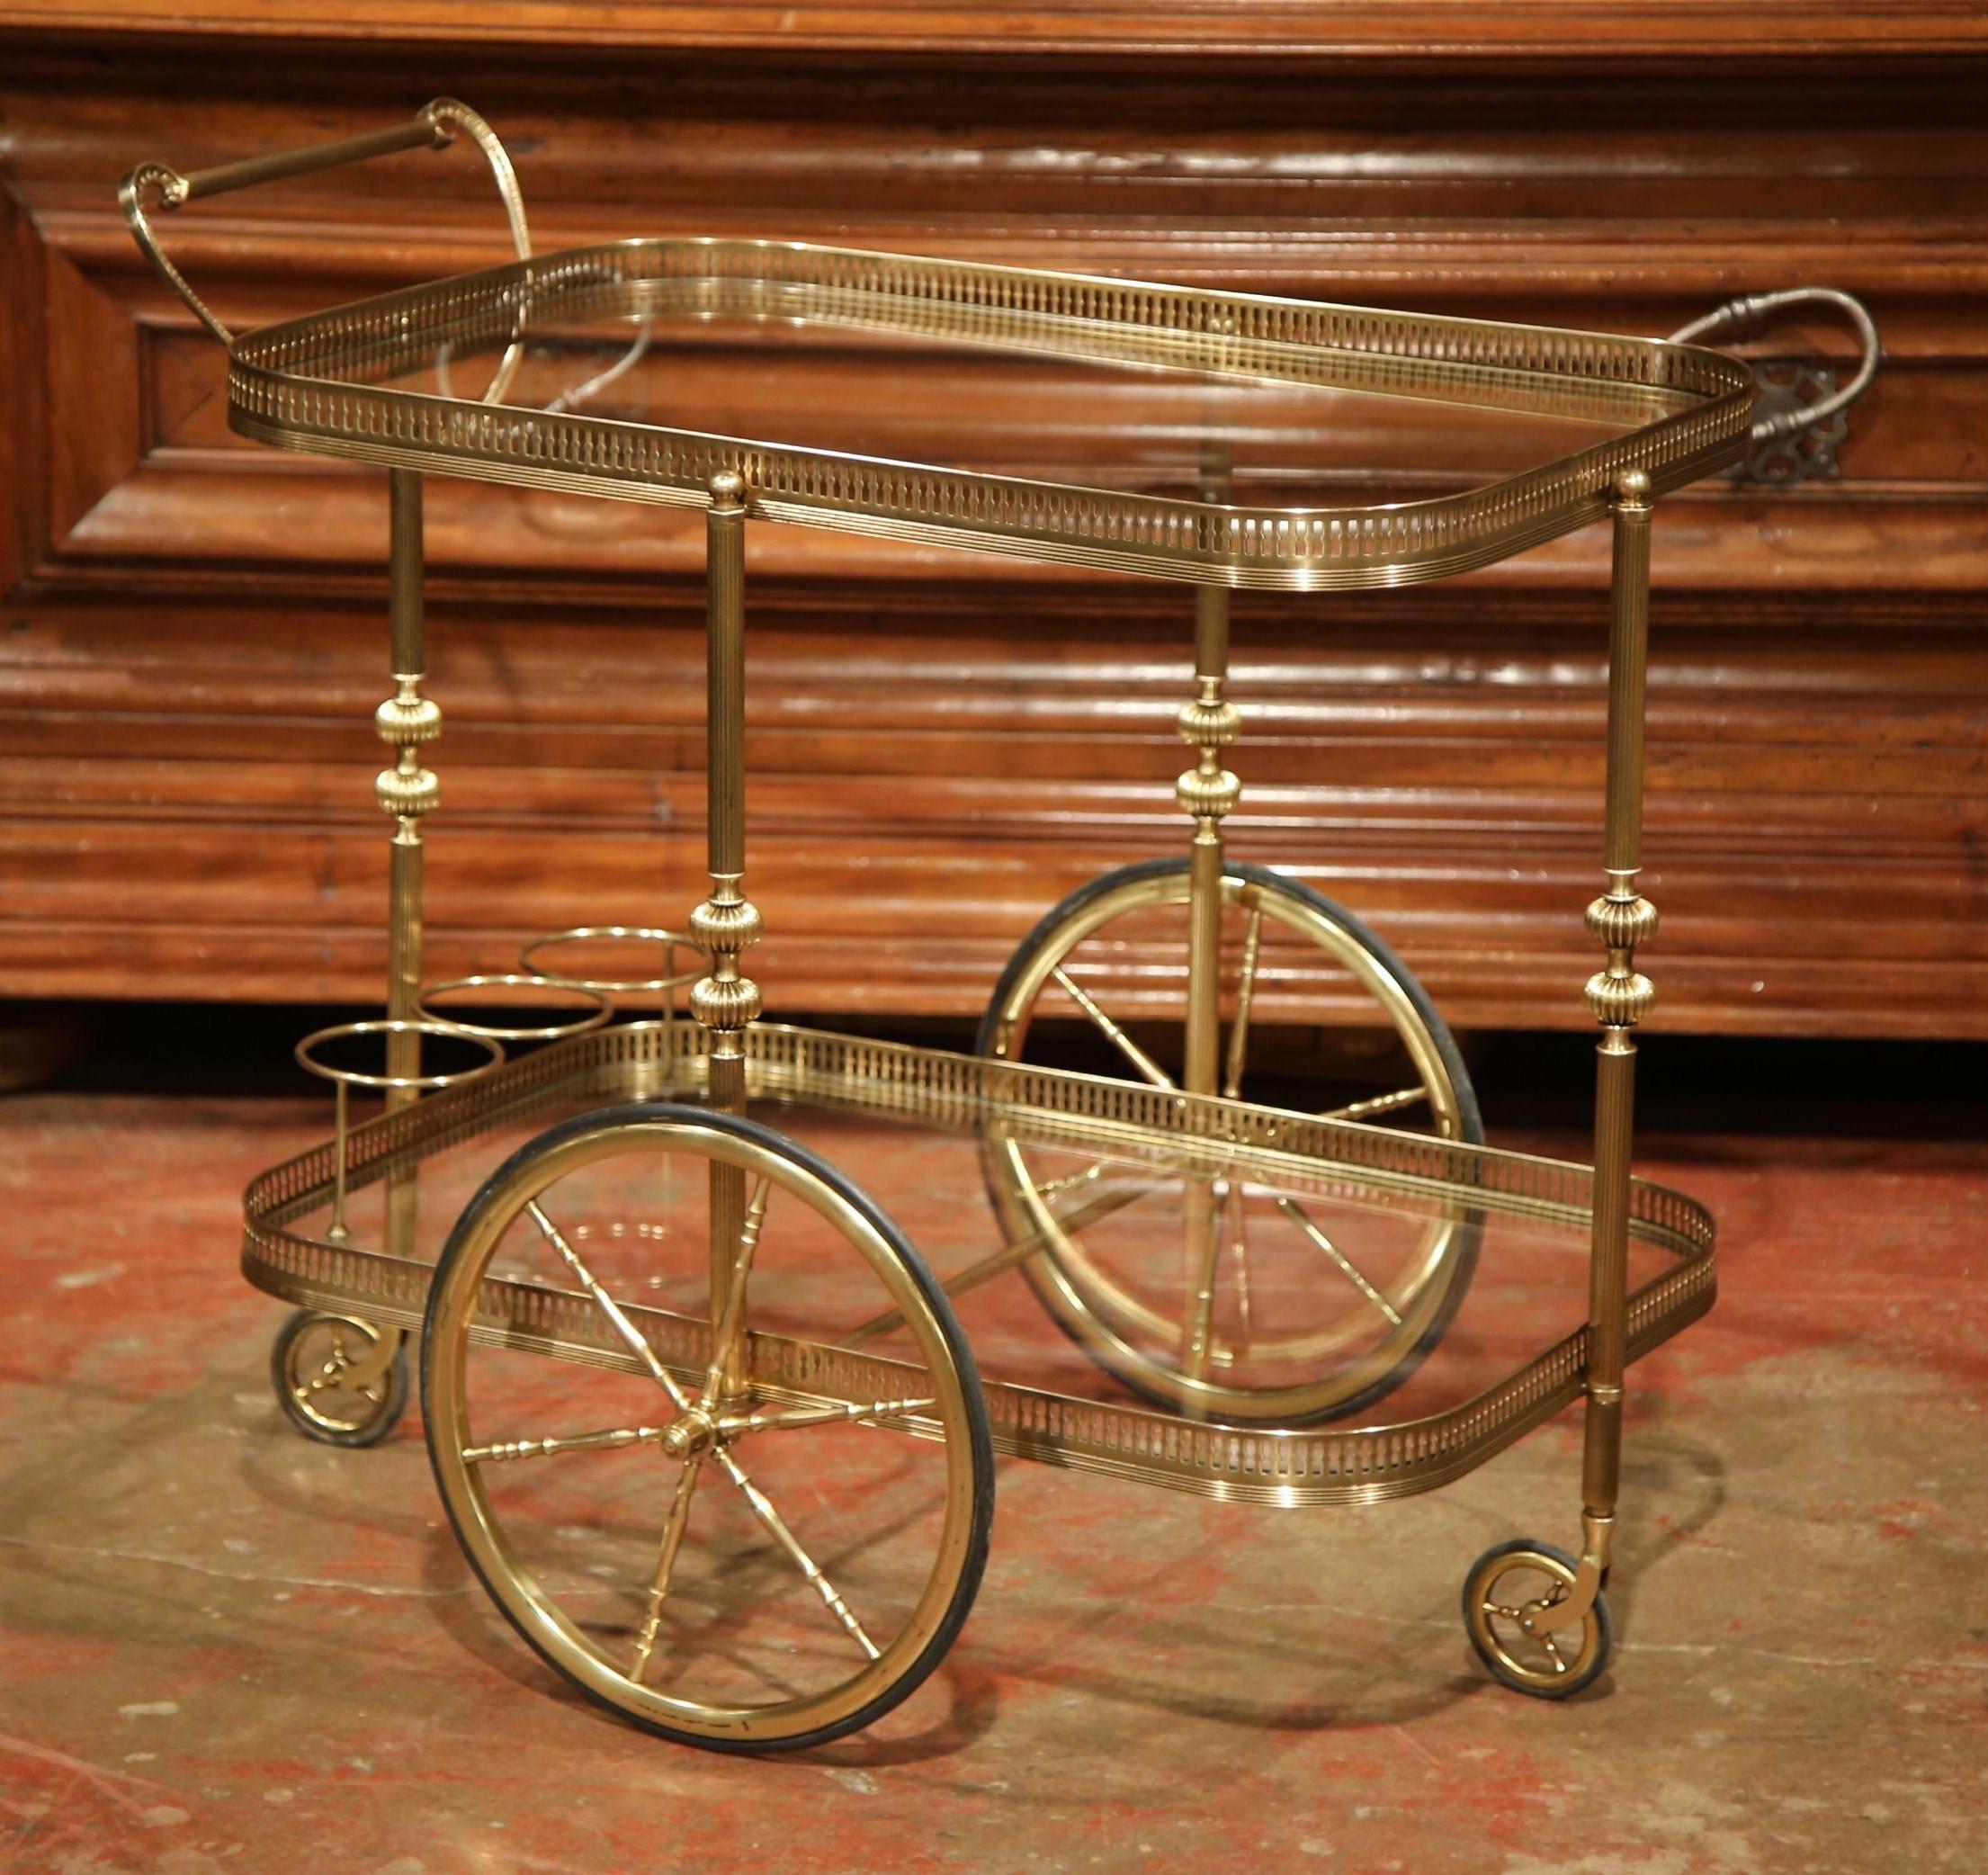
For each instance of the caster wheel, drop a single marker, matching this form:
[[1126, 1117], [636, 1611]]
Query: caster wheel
[[1289, 1312], [682, 1485], [1506, 1588], [340, 1380]]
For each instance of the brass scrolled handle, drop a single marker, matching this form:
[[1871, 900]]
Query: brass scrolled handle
[[1753, 309], [434, 127]]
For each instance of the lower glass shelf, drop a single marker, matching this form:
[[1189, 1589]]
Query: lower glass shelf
[[1159, 1287]]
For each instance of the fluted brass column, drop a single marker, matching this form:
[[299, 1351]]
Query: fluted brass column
[[408, 721], [1208, 791], [726, 1003], [1619, 996]]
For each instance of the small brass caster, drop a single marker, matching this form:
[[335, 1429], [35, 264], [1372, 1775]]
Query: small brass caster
[[330, 1381], [1507, 1591]]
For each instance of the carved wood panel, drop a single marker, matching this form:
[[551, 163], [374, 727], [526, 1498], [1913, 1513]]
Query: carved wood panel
[[194, 635]]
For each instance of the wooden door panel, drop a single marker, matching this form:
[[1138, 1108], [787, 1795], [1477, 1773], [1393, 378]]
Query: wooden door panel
[[193, 639]]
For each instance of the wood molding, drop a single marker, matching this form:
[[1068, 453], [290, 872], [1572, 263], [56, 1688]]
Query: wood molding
[[190, 631], [1416, 32], [920, 792]]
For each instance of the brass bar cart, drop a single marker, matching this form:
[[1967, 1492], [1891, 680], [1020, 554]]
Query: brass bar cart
[[656, 1271]]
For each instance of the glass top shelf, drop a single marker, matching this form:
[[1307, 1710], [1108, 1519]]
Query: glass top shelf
[[1150, 429], [1224, 438]]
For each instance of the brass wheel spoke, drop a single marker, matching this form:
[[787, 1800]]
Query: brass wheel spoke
[[611, 1439], [674, 1527], [841, 1413], [1553, 1653], [1377, 1104], [1246, 990], [762, 1508], [1149, 1069], [1302, 1218], [330, 1377], [1197, 1328], [1115, 1198], [1235, 1218], [609, 1307], [1056, 1188], [731, 1321]]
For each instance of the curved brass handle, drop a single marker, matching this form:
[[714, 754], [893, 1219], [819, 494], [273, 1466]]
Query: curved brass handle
[[434, 127], [1752, 310]]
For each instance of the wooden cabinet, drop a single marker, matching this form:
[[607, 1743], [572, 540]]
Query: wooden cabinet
[[193, 636]]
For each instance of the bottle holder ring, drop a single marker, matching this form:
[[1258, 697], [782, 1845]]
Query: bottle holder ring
[[428, 1084], [343, 1079], [600, 1006], [671, 979]]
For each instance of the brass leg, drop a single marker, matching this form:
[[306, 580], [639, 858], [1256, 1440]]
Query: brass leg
[[407, 722], [726, 1003], [1619, 996], [1207, 791], [336, 1232]]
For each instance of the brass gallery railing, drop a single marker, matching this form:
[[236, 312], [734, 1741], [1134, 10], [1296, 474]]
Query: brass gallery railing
[[301, 386]]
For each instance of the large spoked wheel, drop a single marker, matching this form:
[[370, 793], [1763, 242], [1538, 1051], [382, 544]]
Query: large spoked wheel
[[1285, 1309], [688, 1499]]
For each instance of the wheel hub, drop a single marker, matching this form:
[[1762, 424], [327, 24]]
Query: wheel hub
[[694, 1432]]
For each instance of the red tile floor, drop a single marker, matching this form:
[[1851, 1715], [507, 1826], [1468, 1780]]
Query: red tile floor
[[224, 1648]]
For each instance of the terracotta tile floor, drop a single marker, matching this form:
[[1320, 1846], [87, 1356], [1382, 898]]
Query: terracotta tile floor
[[225, 1648]]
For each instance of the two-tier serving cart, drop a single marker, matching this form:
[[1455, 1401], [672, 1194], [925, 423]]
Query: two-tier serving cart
[[670, 1351]]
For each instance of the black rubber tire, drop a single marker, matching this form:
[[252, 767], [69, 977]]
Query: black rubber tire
[[979, 1437], [1470, 1122], [1605, 1644], [379, 1427]]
